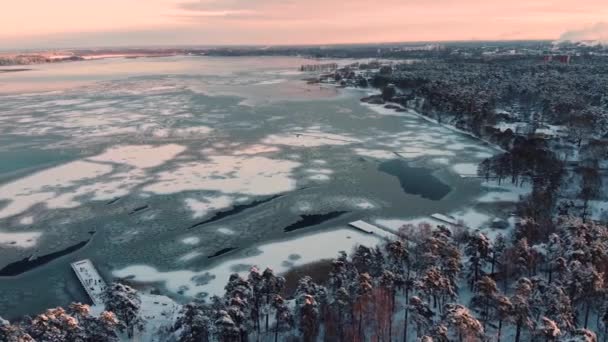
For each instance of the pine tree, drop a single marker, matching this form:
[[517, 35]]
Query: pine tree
[[581, 335], [460, 319], [498, 248], [478, 251], [549, 329], [194, 322], [256, 283], [422, 315], [308, 317], [484, 298], [310, 302], [558, 308], [282, 316], [93, 329], [388, 282], [13, 333], [363, 259], [521, 307], [342, 309], [271, 286], [124, 302], [364, 289], [504, 313], [554, 251], [225, 328]]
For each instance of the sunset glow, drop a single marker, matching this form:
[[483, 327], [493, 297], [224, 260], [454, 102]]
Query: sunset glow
[[34, 23]]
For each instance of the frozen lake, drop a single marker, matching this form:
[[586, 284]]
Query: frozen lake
[[178, 171]]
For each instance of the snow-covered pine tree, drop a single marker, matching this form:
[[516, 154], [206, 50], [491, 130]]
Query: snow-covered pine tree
[[484, 298], [307, 310], [477, 249], [272, 285], [504, 313], [123, 301], [194, 323], [557, 307], [388, 284], [94, 329], [463, 323], [257, 294], [522, 315], [422, 315], [13, 333], [548, 329], [283, 317], [225, 328]]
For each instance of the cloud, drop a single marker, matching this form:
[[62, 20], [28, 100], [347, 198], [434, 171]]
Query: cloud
[[595, 32], [230, 5]]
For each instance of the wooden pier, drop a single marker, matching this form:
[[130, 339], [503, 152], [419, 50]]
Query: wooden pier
[[90, 279], [371, 229]]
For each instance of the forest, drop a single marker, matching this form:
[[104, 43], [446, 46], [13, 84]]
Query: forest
[[430, 284]]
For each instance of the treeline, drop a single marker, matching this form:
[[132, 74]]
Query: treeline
[[431, 284], [474, 94]]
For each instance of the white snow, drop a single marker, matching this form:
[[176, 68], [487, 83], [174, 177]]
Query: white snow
[[270, 82], [191, 240], [19, 240], [42, 187], [256, 149], [465, 169], [309, 138], [275, 255], [378, 154], [26, 220], [225, 231], [202, 207], [140, 156], [505, 192], [229, 174]]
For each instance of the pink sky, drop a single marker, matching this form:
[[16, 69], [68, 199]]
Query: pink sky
[[32, 23]]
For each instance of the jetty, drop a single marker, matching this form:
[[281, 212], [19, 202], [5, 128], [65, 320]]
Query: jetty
[[446, 219], [90, 279], [371, 229]]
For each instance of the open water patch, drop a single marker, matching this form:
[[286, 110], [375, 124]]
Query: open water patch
[[416, 180]]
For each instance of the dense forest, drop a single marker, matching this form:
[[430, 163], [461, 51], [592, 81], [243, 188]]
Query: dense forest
[[431, 284]]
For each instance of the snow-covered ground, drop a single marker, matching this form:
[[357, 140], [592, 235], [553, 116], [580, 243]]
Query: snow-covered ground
[[280, 256]]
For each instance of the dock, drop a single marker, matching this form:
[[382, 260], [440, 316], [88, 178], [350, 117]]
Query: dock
[[90, 279], [446, 219], [371, 229]]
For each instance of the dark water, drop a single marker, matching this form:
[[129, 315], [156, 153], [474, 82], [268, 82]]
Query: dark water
[[416, 180], [313, 220]]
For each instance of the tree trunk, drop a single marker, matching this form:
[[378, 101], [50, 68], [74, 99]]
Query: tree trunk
[[407, 293], [517, 332], [587, 309], [499, 330], [390, 318], [360, 324], [276, 334]]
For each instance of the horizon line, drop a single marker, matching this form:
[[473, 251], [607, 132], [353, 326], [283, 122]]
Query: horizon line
[[244, 45]]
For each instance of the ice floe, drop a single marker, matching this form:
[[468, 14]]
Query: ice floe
[[229, 174], [141, 156], [191, 240], [201, 207]]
